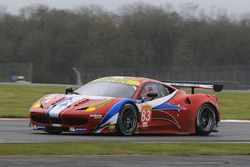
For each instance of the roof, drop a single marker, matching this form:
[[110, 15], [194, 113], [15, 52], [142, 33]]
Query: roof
[[136, 81]]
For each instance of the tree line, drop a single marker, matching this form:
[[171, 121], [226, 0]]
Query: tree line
[[139, 34]]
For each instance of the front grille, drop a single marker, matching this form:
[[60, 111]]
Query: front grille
[[56, 120], [40, 119], [75, 121]]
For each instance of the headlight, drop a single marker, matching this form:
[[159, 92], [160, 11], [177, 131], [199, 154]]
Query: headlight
[[37, 105], [89, 109], [92, 108]]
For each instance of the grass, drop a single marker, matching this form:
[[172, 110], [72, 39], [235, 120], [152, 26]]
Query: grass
[[93, 148], [234, 105], [15, 100]]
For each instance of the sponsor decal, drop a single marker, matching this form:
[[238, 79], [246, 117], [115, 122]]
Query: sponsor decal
[[111, 126], [52, 98], [38, 127], [72, 129], [119, 80], [80, 129], [56, 125], [96, 116], [146, 115], [134, 83]]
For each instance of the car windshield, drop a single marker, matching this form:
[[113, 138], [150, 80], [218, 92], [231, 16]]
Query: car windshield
[[110, 89]]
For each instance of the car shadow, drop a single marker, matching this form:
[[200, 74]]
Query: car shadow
[[118, 136]]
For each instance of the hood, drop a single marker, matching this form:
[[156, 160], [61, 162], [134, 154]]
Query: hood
[[78, 101]]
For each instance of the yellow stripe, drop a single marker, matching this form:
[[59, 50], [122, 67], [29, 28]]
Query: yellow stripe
[[118, 80]]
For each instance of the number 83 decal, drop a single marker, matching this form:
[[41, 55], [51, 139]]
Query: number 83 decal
[[146, 114]]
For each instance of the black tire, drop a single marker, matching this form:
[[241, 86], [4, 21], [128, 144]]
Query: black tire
[[53, 131], [127, 120], [206, 120]]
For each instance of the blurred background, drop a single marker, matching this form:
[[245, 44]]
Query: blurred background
[[184, 41]]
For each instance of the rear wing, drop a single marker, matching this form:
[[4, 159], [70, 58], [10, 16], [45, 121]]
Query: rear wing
[[215, 87]]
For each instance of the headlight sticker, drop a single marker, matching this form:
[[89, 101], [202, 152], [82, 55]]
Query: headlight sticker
[[93, 108]]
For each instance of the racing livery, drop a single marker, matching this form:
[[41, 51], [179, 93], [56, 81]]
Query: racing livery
[[126, 106]]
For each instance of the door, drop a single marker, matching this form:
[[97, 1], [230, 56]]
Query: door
[[157, 115]]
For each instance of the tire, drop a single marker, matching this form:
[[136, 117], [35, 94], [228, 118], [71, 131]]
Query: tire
[[127, 120], [53, 131], [206, 120]]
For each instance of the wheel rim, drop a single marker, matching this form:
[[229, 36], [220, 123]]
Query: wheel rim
[[206, 119], [128, 120]]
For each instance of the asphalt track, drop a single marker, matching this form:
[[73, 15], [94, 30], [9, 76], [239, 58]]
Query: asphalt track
[[124, 161], [18, 131]]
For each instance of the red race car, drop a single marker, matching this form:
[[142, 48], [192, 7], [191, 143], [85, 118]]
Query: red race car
[[126, 106]]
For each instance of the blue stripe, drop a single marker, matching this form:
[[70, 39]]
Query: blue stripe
[[56, 105], [168, 107], [50, 110], [113, 111]]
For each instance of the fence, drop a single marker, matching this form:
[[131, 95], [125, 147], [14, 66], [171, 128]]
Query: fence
[[231, 76], [8, 71]]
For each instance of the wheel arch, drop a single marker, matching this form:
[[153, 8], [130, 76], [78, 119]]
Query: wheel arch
[[137, 109], [217, 115], [121, 129], [197, 101]]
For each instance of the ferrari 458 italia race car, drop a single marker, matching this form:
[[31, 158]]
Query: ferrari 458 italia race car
[[126, 106]]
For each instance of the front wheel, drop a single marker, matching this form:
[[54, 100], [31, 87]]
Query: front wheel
[[206, 120], [127, 120]]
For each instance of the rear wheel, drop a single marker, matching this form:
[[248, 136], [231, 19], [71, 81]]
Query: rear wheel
[[127, 120], [206, 120]]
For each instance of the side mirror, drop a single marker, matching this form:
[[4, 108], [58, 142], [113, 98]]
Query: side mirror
[[152, 95], [69, 90]]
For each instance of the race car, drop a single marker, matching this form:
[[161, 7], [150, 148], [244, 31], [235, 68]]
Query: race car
[[126, 106]]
